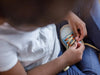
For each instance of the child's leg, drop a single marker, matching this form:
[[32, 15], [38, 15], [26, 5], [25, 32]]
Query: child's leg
[[73, 70], [89, 64]]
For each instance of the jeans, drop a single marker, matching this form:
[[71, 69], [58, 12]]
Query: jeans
[[89, 65]]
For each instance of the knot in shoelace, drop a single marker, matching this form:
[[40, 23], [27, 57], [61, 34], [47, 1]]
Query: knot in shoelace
[[69, 40]]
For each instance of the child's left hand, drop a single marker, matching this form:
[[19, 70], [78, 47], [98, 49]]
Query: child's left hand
[[77, 25]]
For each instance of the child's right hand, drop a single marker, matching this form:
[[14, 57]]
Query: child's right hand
[[74, 53]]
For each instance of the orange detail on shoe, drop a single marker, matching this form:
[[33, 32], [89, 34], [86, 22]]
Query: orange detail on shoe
[[66, 39]]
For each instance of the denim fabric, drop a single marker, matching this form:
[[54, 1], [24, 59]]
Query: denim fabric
[[89, 65]]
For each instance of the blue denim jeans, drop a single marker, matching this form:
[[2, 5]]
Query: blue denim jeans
[[89, 65]]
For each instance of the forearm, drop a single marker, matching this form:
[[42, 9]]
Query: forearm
[[69, 14], [50, 68]]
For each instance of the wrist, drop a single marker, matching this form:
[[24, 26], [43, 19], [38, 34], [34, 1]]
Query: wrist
[[63, 60], [69, 15]]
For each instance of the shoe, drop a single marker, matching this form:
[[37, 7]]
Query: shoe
[[66, 36]]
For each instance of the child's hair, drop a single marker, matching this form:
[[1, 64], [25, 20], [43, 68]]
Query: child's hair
[[20, 12]]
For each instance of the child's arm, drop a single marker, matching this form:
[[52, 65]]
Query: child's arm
[[70, 57], [77, 24]]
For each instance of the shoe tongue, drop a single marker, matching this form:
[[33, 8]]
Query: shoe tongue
[[66, 30]]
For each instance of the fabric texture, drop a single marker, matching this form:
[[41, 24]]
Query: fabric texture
[[35, 47]]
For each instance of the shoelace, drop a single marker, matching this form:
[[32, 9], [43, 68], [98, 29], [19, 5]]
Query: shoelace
[[70, 40]]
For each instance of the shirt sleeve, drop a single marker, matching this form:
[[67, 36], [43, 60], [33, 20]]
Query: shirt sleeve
[[8, 56]]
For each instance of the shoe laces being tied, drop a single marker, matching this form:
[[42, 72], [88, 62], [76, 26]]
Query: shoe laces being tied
[[69, 40], [67, 36]]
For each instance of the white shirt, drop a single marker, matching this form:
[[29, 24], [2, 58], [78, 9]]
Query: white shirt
[[36, 47]]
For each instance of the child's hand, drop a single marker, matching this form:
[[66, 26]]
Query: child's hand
[[77, 25], [74, 53]]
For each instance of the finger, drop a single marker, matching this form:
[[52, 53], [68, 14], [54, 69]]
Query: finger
[[77, 39], [83, 31], [85, 34], [75, 31], [81, 47], [73, 26]]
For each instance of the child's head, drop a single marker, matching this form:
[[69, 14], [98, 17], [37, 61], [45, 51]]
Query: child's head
[[26, 13]]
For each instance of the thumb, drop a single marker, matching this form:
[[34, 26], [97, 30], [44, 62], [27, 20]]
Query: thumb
[[75, 32]]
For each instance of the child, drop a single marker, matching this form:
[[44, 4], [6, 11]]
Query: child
[[23, 44]]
